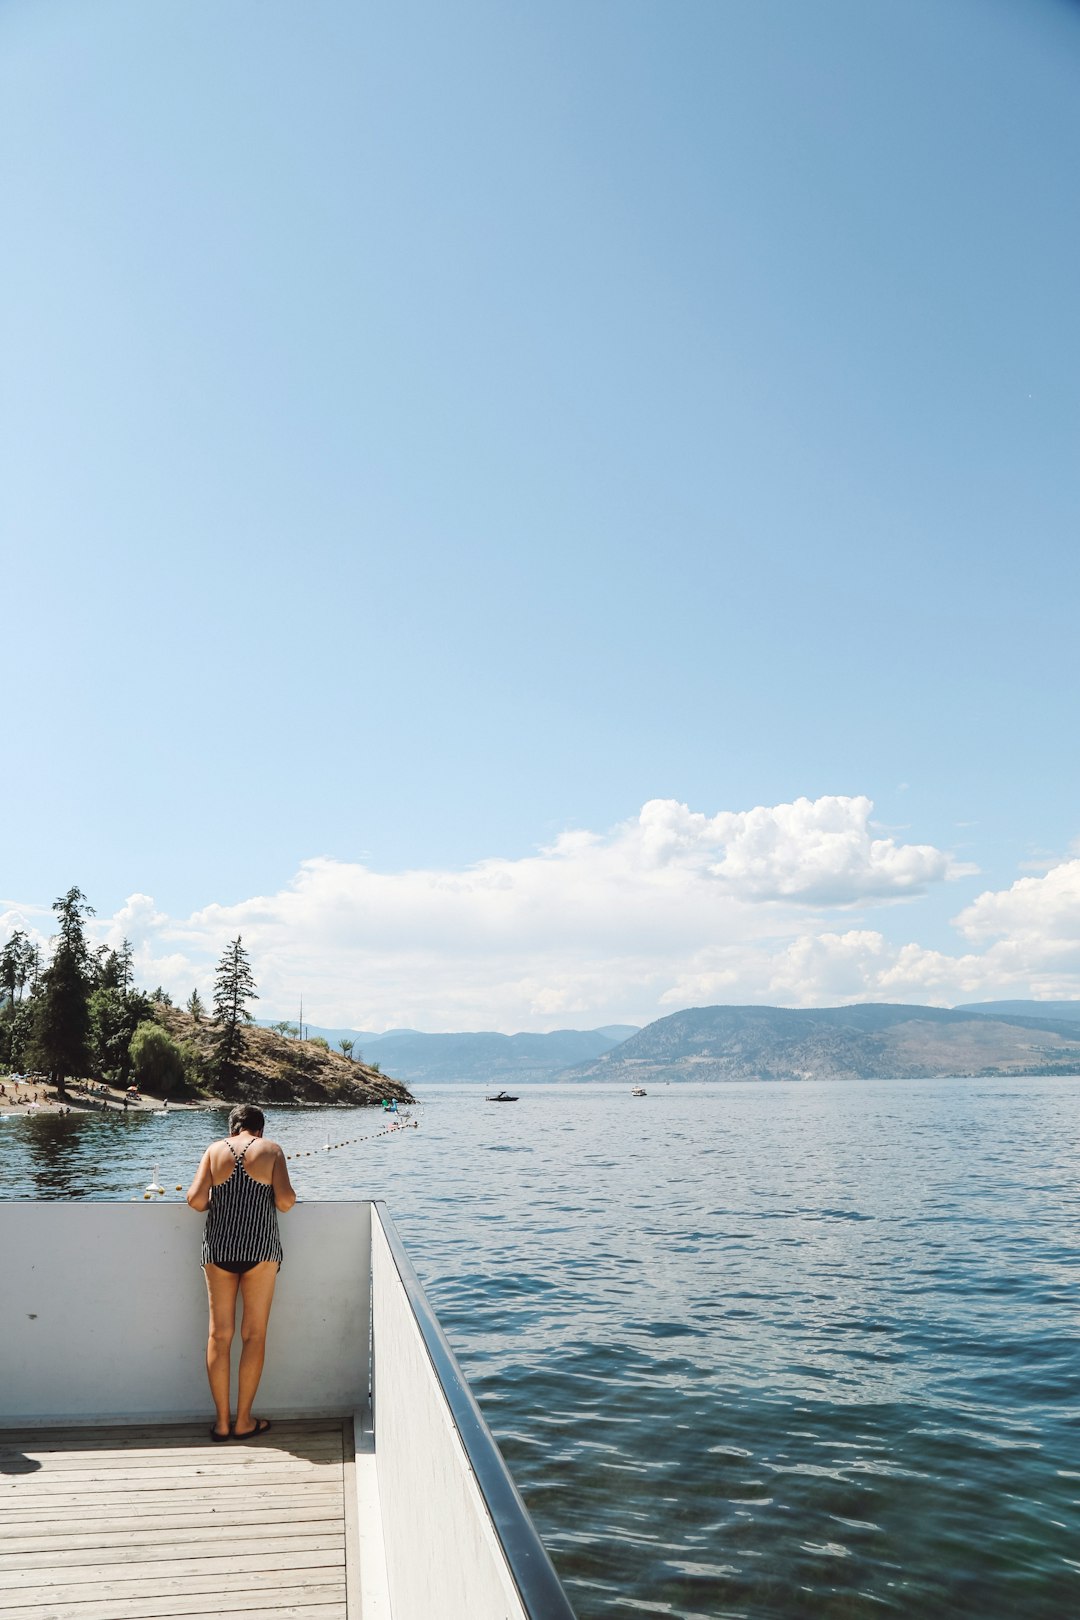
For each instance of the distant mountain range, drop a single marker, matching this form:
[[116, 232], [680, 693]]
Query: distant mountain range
[[840, 1043], [1069, 1010], [481, 1056], [865, 1041]]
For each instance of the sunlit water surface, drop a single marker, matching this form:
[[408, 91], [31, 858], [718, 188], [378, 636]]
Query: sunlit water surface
[[750, 1350]]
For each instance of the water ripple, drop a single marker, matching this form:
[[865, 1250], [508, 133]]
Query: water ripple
[[772, 1352]]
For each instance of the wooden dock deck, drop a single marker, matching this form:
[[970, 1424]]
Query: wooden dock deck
[[158, 1523]]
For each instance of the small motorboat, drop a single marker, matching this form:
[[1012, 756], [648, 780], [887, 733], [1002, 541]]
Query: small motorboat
[[638, 1091], [501, 1096]]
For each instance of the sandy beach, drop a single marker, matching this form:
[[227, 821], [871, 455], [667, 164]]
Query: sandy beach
[[37, 1096]]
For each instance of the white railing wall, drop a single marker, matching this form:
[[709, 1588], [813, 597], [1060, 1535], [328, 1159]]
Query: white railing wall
[[103, 1313], [443, 1557]]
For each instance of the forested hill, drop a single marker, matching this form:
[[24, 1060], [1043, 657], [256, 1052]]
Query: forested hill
[[867, 1041]]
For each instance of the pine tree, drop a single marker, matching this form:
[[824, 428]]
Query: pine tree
[[116, 971], [195, 1006], [234, 986], [16, 969], [62, 1011]]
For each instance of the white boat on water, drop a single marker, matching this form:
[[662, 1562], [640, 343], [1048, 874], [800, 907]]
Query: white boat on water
[[379, 1493], [638, 1091]]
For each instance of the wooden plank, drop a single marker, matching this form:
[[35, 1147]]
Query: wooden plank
[[36, 1459], [71, 1522], [260, 1493], [151, 1434], [28, 1604], [184, 1574], [77, 1479], [154, 1434], [322, 1602], [171, 1559], [201, 1450], [234, 1527], [116, 1482], [227, 1455], [352, 1535], [292, 1611], [229, 1459], [187, 1434], [125, 1486]]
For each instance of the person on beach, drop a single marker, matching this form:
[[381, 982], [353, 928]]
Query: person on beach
[[241, 1183]]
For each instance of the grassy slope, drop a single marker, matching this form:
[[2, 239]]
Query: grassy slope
[[274, 1069]]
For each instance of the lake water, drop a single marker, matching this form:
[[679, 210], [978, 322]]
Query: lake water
[[769, 1351]]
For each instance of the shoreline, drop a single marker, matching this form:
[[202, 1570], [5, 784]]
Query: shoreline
[[41, 1097], [18, 1100]]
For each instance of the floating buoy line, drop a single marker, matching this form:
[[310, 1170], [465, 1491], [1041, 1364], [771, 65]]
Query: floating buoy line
[[387, 1130], [154, 1186]]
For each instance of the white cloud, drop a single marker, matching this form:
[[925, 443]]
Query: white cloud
[[1042, 912], [820, 851], [591, 928], [672, 908]]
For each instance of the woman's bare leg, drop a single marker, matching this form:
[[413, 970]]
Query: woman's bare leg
[[257, 1290], [221, 1287]]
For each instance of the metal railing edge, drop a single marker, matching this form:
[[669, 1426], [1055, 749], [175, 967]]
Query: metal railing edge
[[527, 1559]]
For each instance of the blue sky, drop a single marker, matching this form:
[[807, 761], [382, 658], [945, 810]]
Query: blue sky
[[428, 431]]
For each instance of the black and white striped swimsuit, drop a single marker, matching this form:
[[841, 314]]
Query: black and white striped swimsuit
[[241, 1222]]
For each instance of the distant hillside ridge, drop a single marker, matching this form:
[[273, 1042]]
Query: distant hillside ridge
[[868, 1040], [1057, 1010], [483, 1056]]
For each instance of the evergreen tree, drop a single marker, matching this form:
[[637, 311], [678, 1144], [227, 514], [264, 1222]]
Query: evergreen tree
[[61, 1036], [16, 968], [99, 965], [234, 987], [19, 1035], [117, 972], [195, 1006]]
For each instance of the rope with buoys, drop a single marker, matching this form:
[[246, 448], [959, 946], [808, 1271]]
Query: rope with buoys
[[308, 1153], [387, 1130]]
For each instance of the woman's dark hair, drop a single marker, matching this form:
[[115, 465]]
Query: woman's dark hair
[[245, 1117]]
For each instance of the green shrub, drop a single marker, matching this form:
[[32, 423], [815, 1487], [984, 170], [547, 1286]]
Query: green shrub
[[156, 1061], [197, 1069]]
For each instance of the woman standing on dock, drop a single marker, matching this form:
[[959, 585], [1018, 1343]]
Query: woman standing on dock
[[242, 1182]]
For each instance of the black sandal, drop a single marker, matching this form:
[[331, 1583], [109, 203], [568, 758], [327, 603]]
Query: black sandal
[[220, 1437], [262, 1426]]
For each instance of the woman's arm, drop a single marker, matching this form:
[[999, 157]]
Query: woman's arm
[[198, 1194], [284, 1196]]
